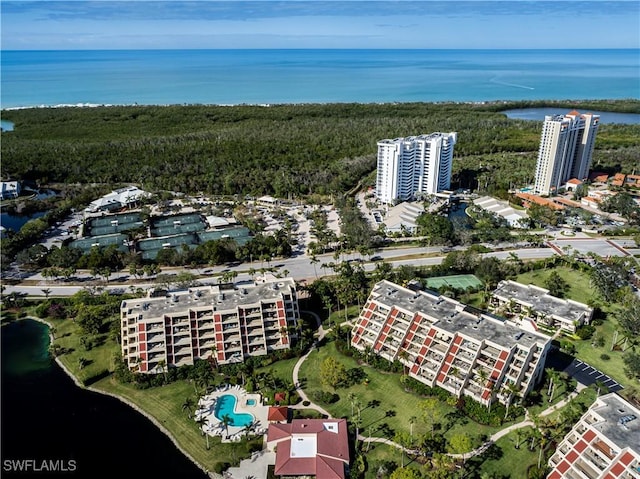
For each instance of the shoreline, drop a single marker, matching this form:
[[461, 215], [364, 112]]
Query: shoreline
[[515, 102], [134, 406]]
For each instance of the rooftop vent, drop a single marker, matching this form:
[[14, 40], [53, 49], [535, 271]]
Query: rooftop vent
[[625, 419]]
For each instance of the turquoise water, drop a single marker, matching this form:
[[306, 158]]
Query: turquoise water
[[251, 402], [31, 78], [538, 114], [225, 405]]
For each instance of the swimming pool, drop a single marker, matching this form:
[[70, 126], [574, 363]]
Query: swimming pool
[[226, 405], [251, 402]]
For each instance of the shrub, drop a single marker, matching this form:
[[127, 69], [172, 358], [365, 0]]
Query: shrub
[[605, 357], [325, 397], [306, 403], [585, 331], [220, 467]]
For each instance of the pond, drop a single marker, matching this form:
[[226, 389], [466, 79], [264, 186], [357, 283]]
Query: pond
[[15, 221], [538, 114], [6, 125]]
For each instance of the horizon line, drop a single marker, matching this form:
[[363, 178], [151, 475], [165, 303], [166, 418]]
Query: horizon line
[[310, 48]]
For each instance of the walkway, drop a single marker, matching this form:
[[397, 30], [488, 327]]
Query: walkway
[[296, 370], [491, 440]]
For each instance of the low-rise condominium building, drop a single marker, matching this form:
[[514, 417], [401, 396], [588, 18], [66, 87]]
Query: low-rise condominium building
[[604, 444], [529, 303], [445, 343], [208, 322]]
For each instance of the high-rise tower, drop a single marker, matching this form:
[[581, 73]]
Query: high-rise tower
[[416, 164], [566, 146]]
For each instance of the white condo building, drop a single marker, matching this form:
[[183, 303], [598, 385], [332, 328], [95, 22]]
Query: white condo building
[[416, 164], [566, 146]]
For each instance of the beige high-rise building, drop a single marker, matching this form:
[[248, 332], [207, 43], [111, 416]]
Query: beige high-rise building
[[566, 147]]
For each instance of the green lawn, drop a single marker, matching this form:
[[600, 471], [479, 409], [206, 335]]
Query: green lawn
[[579, 287], [165, 405], [504, 460], [100, 357], [591, 354], [378, 454], [581, 290], [388, 390], [282, 369]]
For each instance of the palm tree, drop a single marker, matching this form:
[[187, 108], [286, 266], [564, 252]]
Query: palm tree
[[249, 428], [412, 421], [510, 389], [162, 366], [553, 377], [351, 397], [226, 420], [455, 372], [188, 404], [519, 436], [314, 260], [203, 421]]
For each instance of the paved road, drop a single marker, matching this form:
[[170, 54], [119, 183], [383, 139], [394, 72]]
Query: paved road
[[299, 268]]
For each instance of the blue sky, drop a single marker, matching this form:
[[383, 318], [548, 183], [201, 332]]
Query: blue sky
[[142, 24]]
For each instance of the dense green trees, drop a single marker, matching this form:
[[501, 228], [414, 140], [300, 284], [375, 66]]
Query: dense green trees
[[281, 150]]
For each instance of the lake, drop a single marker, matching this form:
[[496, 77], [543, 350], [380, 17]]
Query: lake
[[538, 114], [45, 416]]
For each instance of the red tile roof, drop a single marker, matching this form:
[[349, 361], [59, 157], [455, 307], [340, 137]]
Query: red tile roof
[[278, 413], [574, 181], [332, 447], [529, 198], [598, 177]]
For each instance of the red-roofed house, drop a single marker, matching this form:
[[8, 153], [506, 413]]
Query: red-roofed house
[[278, 414], [572, 184], [618, 179], [598, 177], [633, 181], [279, 397], [310, 447], [528, 199]]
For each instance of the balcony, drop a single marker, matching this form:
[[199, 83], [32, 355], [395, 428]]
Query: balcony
[[586, 468], [439, 347]]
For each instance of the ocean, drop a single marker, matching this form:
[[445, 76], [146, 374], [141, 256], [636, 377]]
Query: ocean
[[161, 77]]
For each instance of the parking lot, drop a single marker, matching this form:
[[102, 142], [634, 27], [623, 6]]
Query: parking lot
[[581, 371], [601, 247]]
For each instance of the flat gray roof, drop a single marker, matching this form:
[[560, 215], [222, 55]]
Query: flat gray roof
[[456, 317], [207, 297], [612, 411], [540, 300]]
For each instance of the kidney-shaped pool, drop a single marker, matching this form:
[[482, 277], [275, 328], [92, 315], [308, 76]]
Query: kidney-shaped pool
[[226, 405]]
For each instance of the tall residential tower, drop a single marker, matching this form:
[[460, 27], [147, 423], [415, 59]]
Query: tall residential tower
[[566, 146], [416, 164]]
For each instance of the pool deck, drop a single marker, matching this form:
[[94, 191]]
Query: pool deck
[[215, 427]]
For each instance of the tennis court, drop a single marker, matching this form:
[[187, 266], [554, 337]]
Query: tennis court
[[458, 281]]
